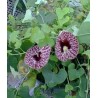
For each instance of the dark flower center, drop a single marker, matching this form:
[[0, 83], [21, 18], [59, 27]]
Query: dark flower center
[[37, 57], [63, 44]]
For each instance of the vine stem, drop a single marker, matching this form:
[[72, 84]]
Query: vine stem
[[67, 80], [86, 78], [83, 34], [18, 53], [42, 18], [87, 87], [21, 81]]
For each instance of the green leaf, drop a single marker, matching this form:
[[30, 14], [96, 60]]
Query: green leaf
[[84, 31], [28, 33], [11, 20], [26, 44], [61, 22], [31, 3], [28, 16], [9, 51], [82, 94], [24, 92], [71, 66], [83, 83], [13, 37], [74, 74], [59, 94], [68, 88], [50, 17], [66, 63], [80, 72], [10, 92], [44, 87], [18, 44], [37, 91], [18, 97], [85, 2], [75, 30], [46, 41], [37, 35], [68, 96], [53, 58], [12, 61], [87, 52], [40, 96], [66, 1], [52, 79], [31, 80], [45, 28], [81, 49], [61, 76], [41, 1], [61, 12], [46, 18]]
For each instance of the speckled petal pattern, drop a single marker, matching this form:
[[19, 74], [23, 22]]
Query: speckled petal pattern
[[66, 39]]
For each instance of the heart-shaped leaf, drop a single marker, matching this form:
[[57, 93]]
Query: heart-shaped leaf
[[52, 79]]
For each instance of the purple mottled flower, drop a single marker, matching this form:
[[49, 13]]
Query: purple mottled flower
[[67, 46], [37, 57]]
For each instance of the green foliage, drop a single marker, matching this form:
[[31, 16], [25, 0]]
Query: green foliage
[[84, 31], [81, 49], [31, 80], [66, 63], [52, 79], [24, 92], [26, 45], [18, 44], [30, 3], [12, 61], [53, 58], [45, 28], [68, 88], [45, 17], [12, 20], [37, 35], [28, 33], [61, 12], [71, 66], [41, 24], [13, 36], [68, 96], [87, 52], [61, 22], [46, 41], [10, 92], [74, 74], [28, 16], [59, 94]]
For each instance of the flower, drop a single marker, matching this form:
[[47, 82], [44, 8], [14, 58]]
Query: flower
[[67, 46], [37, 57]]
